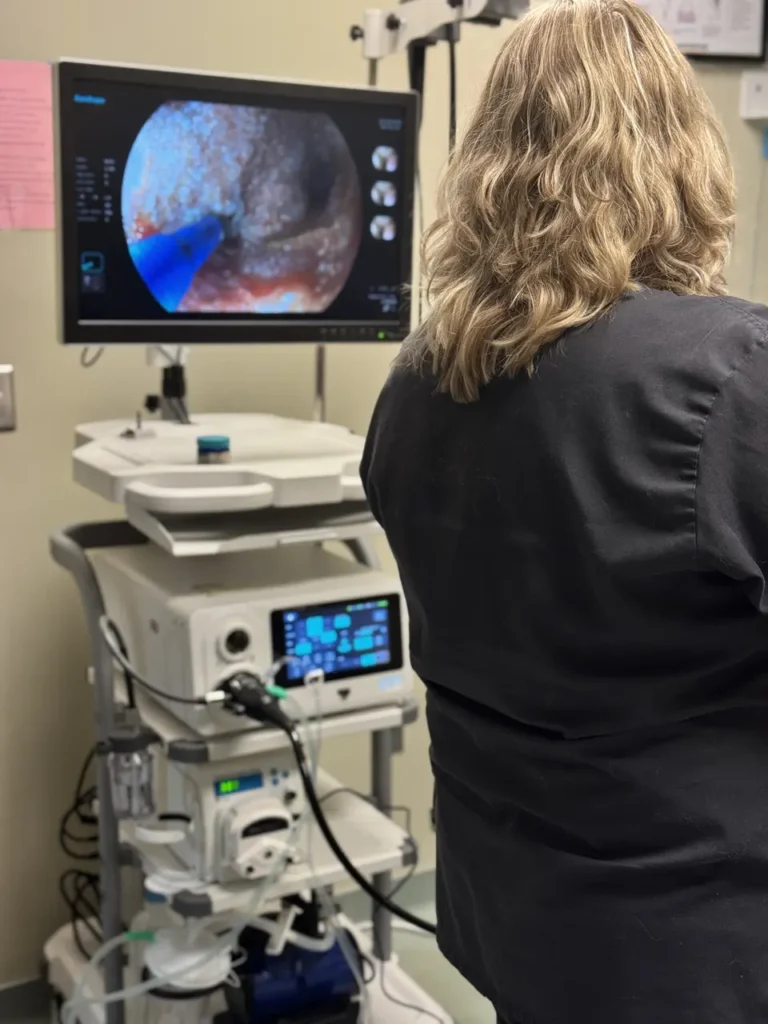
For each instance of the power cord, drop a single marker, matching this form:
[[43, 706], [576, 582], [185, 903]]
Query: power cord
[[79, 887], [129, 681], [111, 637], [75, 887], [81, 810]]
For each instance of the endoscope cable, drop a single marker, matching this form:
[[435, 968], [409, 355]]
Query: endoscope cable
[[264, 707]]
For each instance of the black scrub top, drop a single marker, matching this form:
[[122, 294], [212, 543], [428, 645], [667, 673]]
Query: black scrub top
[[584, 554]]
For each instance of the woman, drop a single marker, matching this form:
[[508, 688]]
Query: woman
[[570, 461]]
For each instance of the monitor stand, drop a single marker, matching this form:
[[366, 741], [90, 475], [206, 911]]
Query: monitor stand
[[171, 403], [319, 411]]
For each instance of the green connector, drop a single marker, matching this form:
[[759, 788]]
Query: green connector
[[276, 691]]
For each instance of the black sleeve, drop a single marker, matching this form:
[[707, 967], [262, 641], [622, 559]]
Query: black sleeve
[[731, 490]]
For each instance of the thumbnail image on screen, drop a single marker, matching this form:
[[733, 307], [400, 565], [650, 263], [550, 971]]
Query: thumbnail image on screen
[[241, 209]]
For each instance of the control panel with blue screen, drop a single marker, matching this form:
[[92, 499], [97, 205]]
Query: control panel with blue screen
[[351, 638]]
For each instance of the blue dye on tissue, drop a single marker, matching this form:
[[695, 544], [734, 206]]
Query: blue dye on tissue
[[168, 263]]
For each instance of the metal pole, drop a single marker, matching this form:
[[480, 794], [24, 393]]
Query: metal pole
[[68, 550], [319, 414], [373, 73], [384, 745], [381, 789]]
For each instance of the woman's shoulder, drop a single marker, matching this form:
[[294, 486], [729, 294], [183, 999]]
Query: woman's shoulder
[[694, 315], [649, 335], [660, 338]]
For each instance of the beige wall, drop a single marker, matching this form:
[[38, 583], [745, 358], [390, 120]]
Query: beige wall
[[44, 709]]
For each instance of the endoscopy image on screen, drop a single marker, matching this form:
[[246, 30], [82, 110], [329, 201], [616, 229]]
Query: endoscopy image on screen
[[200, 209], [241, 209]]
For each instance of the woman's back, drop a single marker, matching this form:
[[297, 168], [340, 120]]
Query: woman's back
[[583, 552]]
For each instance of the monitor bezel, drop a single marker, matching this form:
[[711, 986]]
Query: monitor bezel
[[73, 331]]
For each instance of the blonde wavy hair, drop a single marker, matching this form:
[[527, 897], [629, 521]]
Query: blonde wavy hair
[[593, 165]]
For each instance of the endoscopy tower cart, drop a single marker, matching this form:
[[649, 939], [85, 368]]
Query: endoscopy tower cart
[[299, 485]]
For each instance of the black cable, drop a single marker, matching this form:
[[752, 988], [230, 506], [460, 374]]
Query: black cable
[[417, 66], [76, 901], [84, 884], [87, 817], [83, 772], [400, 808], [452, 87], [248, 694], [107, 628], [131, 690], [82, 801], [330, 838], [79, 887], [87, 363], [67, 839]]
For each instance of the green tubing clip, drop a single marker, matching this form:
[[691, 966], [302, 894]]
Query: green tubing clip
[[140, 936]]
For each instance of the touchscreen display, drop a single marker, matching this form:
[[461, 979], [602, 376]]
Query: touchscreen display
[[345, 639]]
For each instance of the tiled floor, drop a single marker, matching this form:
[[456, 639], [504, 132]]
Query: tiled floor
[[418, 955]]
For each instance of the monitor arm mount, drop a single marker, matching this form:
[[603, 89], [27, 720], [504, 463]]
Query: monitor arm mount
[[423, 22], [171, 402]]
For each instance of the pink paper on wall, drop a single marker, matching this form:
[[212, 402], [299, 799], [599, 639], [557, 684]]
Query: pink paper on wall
[[26, 145]]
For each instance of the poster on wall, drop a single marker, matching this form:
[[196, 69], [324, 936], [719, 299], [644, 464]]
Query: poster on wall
[[26, 146], [714, 28]]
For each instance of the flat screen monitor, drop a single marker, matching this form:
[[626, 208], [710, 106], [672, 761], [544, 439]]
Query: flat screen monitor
[[718, 29], [195, 208]]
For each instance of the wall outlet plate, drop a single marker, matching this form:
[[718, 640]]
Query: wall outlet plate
[[7, 398]]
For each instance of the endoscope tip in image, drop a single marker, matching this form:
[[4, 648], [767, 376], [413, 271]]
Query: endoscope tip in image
[[168, 263]]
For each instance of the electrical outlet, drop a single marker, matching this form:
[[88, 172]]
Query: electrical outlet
[[7, 399]]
